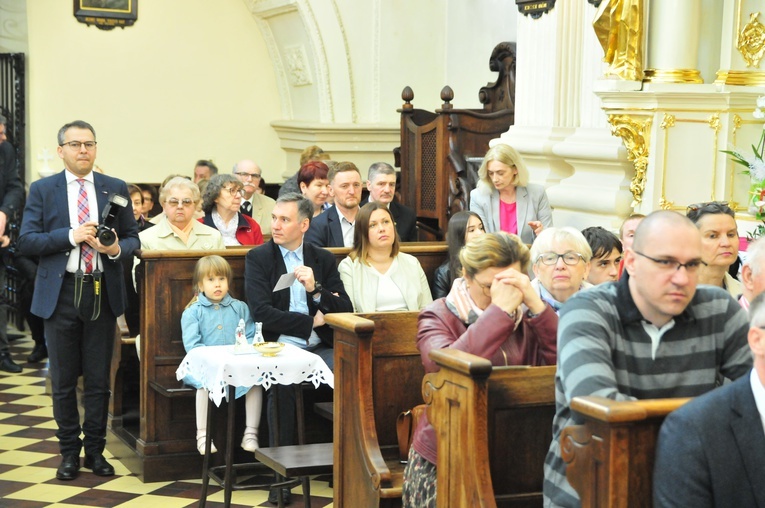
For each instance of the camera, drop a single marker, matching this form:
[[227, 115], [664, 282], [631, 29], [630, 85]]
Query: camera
[[108, 219]]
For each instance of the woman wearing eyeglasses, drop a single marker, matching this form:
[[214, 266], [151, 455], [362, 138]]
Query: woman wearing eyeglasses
[[177, 229], [493, 312], [719, 244], [221, 203], [561, 263]]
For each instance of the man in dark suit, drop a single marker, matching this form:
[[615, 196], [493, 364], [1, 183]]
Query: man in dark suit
[[711, 451], [381, 184], [79, 289], [11, 197], [294, 314], [334, 228]]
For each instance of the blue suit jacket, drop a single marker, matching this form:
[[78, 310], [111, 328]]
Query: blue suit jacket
[[711, 451], [45, 233], [325, 230]]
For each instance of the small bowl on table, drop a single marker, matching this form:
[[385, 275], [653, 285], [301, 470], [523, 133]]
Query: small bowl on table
[[268, 348]]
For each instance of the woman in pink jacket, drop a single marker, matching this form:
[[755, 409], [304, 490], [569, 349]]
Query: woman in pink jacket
[[493, 312]]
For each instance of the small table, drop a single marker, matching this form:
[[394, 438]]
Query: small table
[[221, 371]]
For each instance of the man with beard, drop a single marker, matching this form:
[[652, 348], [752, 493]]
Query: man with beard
[[334, 228]]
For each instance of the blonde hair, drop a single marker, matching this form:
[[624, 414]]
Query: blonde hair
[[493, 250], [509, 156], [210, 265], [180, 182], [313, 153]]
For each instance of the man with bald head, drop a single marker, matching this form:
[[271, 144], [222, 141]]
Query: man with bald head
[[652, 334], [257, 206]]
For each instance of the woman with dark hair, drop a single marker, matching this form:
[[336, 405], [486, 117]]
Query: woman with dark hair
[[376, 276], [493, 312], [463, 227], [719, 244], [221, 202], [313, 183]]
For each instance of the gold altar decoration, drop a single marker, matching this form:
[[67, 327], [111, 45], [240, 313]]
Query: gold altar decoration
[[751, 41], [672, 76], [635, 134], [618, 25]]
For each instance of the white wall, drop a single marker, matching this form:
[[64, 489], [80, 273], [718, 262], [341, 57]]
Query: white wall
[[191, 79]]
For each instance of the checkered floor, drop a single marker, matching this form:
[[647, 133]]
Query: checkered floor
[[29, 458]]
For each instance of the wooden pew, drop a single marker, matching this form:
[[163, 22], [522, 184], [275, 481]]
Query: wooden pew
[[378, 372], [162, 439], [610, 457], [493, 427]]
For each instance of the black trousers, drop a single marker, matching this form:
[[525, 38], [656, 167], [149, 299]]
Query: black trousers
[[77, 346]]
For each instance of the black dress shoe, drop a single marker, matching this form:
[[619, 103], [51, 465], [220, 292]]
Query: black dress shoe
[[273, 496], [8, 365], [39, 353], [70, 464], [99, 466]]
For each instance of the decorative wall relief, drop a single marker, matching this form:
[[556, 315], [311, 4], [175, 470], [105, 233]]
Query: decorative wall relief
[[296, 62], [751, 41], [635, 133]]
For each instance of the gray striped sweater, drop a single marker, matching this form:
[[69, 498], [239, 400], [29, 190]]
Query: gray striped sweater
[[604, 350]]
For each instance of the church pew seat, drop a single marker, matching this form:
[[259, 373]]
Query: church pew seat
[[493, 427], [162, 432], [378, 372], [609, 458]]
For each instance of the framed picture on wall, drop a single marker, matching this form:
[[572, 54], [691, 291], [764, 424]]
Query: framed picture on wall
[[106, 14]]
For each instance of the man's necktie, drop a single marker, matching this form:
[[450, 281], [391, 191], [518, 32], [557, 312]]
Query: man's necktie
[[83, 216], [246, 208]]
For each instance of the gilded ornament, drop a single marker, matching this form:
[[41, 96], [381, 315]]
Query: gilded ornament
[[668, 121], [635, 135], [618, 26], [714, 122], [751, 41], [737, 121], [666, 205]]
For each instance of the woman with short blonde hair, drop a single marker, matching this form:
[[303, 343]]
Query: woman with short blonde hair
[[505, 199]]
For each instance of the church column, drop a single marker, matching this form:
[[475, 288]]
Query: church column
[[673, 42], [742, 46]]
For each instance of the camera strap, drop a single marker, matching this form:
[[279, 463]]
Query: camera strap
[[79, 280]]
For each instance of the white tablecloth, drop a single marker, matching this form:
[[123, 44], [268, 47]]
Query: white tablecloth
[[217, 368]]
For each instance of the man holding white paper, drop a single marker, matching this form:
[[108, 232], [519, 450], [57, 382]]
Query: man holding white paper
[[290, 285]]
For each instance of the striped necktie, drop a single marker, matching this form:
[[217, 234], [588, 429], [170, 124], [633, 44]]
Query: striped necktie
[[83, 216]]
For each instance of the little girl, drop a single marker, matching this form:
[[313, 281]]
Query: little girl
[[211, 319]]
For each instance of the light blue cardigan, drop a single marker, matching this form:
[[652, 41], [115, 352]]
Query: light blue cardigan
[[531, 204]]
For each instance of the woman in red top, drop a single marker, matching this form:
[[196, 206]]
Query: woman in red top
[[220, 203], [492, 312]]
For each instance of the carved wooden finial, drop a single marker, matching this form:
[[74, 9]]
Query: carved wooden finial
[[447, 95], [407, 95]]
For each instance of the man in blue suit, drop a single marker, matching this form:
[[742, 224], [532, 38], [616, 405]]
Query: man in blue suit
[[711, 451], [79, 289], [334, 228]]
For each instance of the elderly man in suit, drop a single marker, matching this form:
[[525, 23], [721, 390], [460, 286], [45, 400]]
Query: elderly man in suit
[[257, 206], [381, 184], [294, 314], [711, 451], [79, 289], [334, 228]]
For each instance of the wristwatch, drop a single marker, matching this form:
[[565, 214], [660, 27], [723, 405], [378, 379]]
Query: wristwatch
[[316, 289]]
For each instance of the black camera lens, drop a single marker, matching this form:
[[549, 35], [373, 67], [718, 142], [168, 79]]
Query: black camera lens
[[106, 236]]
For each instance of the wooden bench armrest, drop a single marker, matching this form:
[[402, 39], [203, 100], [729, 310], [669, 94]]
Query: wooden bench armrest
[[462, 362], [349, 322], [615, 411]]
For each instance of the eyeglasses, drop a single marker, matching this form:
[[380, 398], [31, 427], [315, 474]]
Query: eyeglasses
[[551, 258], [671, 265], [486, 288], [174, 202], [77, 145], [709, 204], [234, 191], [252, 176]]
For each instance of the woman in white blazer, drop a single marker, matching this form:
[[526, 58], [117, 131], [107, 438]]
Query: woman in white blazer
[[376, 276], [505, 200]]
